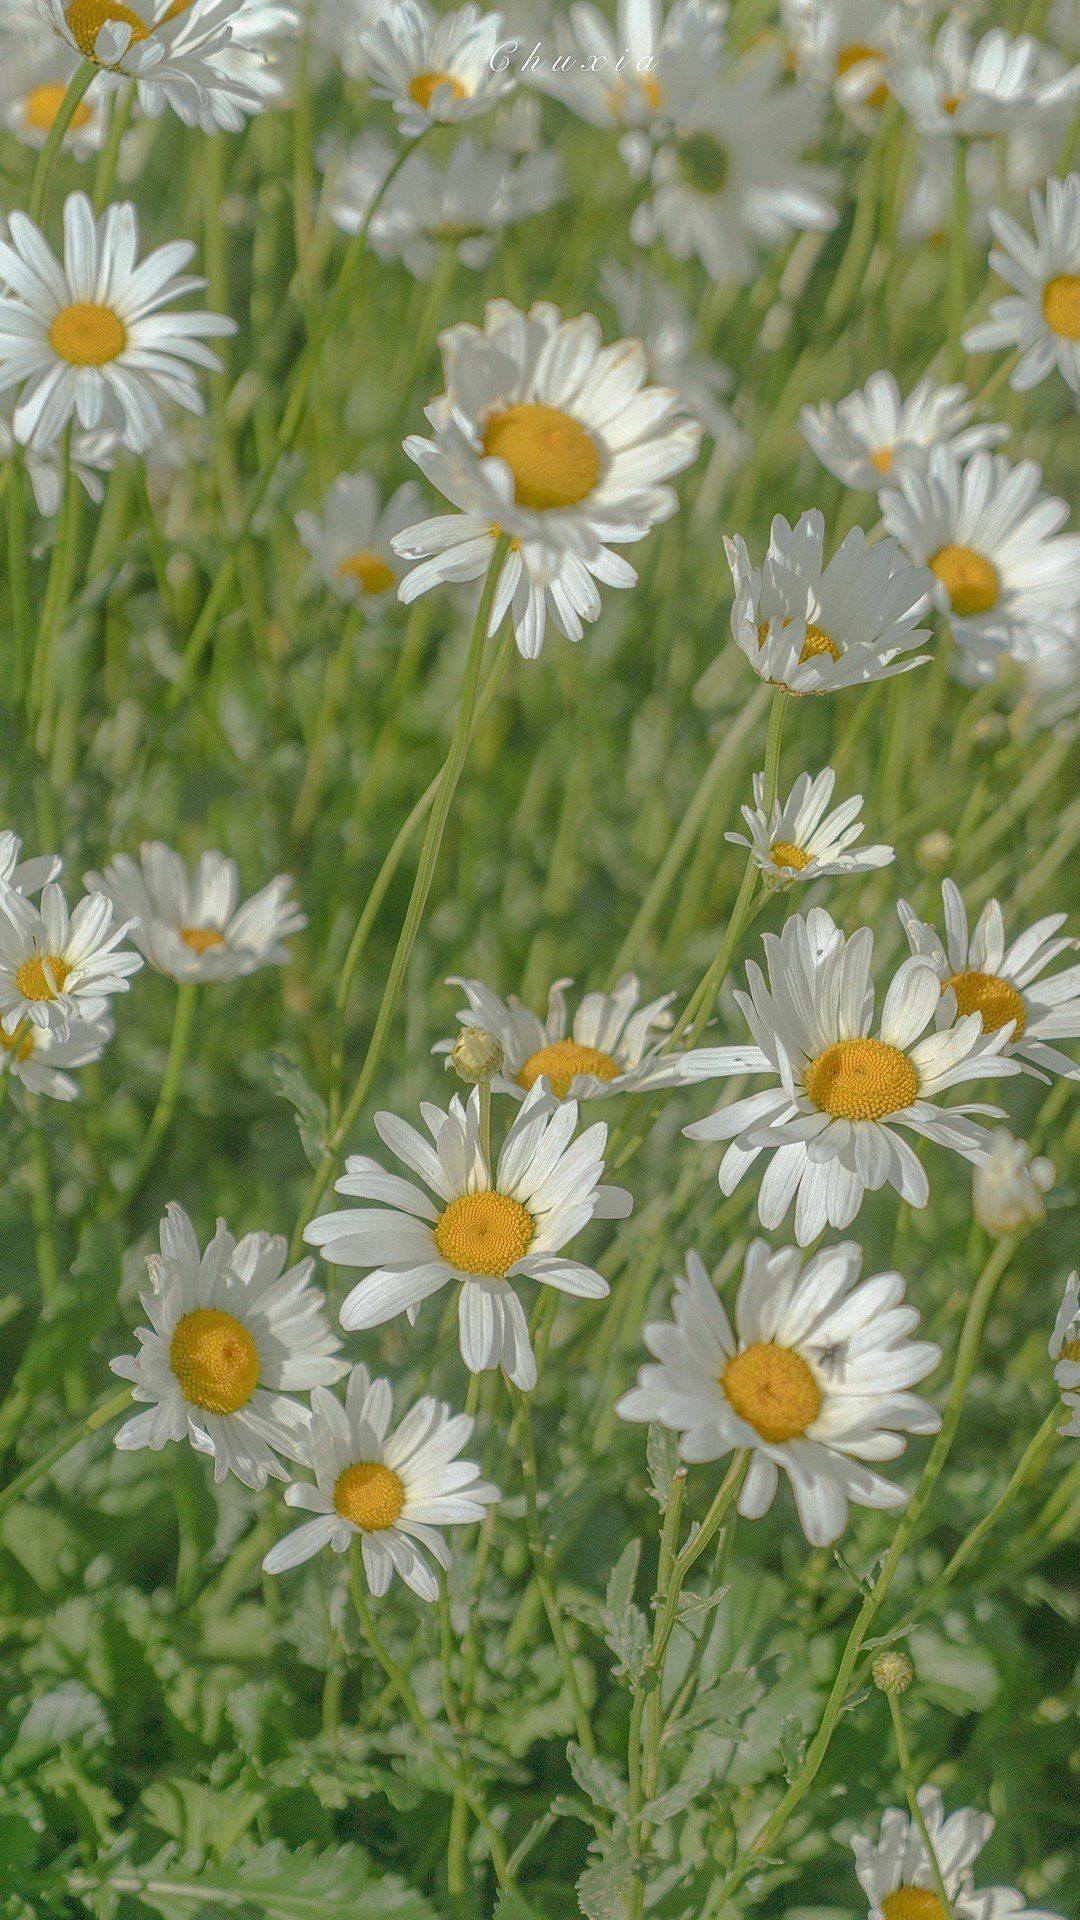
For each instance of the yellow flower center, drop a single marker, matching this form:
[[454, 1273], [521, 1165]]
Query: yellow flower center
[[369, 570], [950, 103], [1070, 1350], [773, 1390], [997, 1000], [423, 85], [561, 1060], [784, 853], [912, 1903], [42, 104], [817, 642], [201, 939], [88, 334], [484, 1233], [215, 1360], [554, 461], [1061, 305], [856, 55], [21, 1049], [42, 977], [86, 18], [882, 459], [968, 578], [370, 1495], [861, 1080]]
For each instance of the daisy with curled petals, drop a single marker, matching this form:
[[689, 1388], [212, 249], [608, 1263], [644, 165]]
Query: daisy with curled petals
[[350, 538], [193, 925], [955, 88], [436, 68], [980, 972], [800, 839], [649, 310], [1065, 1353], [814, 628], [482, 1231], [554, 440], [25, 876], [39, 1058], [813, 1381], [832, 1124], [392, 1491], [897, 1877], [233, 1334], [189, 55], [872, 435], [56, 966], [1042, 317]]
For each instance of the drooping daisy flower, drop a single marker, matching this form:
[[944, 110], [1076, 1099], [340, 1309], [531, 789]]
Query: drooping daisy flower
[[1008, 1187], [799, 839], [39, 1058], [89, 338], [190, 55], [896, 1876], [483, 1231], [814, 628], [1001, 569], [832, 1124], [32, 88], [90, 455], [556, 440], [1065, 1353], [192, 924], [436, 68], [630, 73], [392, 1491], [648, 310], [814, 1380], [350, 538], [1042, 317], [978, 973], [842, 45], [871, 436], [232, 1336], [612, 1045], [954, 87], [56, 966], [25, 876]]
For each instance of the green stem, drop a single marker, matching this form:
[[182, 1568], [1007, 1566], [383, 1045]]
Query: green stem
[[180, 1041], [957, 261], [91, 1423], [42, 1207], [46, 160], [119, 122], [335, 682], [907, 1774], [545, 1585], [19, 570]]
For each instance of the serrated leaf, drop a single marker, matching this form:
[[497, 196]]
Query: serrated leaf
[[791, 1746], [722, 1708], [662, 1460], [626, 1630], [68, 1713], [598, 1782], [667, 1806], [280, 1883], [605, 1884]]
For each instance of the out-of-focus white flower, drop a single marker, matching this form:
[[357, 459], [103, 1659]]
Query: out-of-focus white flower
[[350, 538], [872, 435], [192, 925], [91, 455], [1011, 163], [635, 72], [800, 840], [32, 88], [649, 310], [1042, 318], [842, 45], [436, 68], [25, 876], [1007, 1188], [955, 86], [1065, 1353], [40, 1058]]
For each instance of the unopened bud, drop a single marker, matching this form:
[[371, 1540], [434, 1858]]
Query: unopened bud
[[476, 1055], [935, 849], [892, 1671]]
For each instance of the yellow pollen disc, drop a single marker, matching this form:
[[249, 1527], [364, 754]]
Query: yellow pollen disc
[[31, 980], [817, 642], [561, 1060], [861, 1080], [42, 104], [997, 1000], [1061, 305], [856, 55], [950, 103], [773, 1390], [88, 334], [423, 85], [484, 1233], [554, 461], [201, 939], [912, 1903], [784, 853], [968, 578], [215, 1360], [23, 1049], [651, 91], [1070, 1351], [370, 1495], [882, 459], [86, 18], [371, 573]]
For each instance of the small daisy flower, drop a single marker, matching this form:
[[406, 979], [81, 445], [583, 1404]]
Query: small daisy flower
[[814, 1380], [800, 839], [954, 87], [629, 74], [232, 1335], [1001, 570], [555, 440], [483, 1231], [392, 1491], [1008, 1188], [1042, 317], [89, 338], [56, 966], [1065, 1353], [350, 538], [872, 435], [189, 55], [39, 1059], [32, 90], [436, 68], [979, 972], [191, 924], [25, 876], [833, 1122], [898, 1880], [648, 310], [814, 628], [611, 1046], [843, 46]]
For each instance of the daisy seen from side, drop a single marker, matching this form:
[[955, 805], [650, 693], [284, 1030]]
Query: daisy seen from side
[[436, 68], [191, 923], [191, 56], [1065, 1354], [799, 839], [956, 86]]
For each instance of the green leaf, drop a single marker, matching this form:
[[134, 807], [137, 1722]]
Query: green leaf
[[626, 1629], [279, 1883], [67, 1713], [605, 1884], [662, 1459], [599, 1783]]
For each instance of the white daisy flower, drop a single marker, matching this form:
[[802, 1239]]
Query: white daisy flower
[[832, 1124], [338, 28], [436, 68], [484, 1230], [1008, 1188], [90, 456], [896, 1876], [842, 46], [648, 310], [89, 338], [799, 839], [39, 1059], [393, 1491], [1008, 165], [872, 435], [191, 924], [814, 628], [555, 440], [1065, 1353], [1042, 317], [1001, 569], [232, 1335], [25, 876], [979, 972], [56, 966], [1050, 674], [731, 180], [630, 73], [190, 55], [32, 89], [813, 1381], [350, 538], [954, 87], [611, 1046]]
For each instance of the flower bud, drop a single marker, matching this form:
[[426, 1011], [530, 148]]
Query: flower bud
[[892, 1671], [476, 1055], [1007, 1187]]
